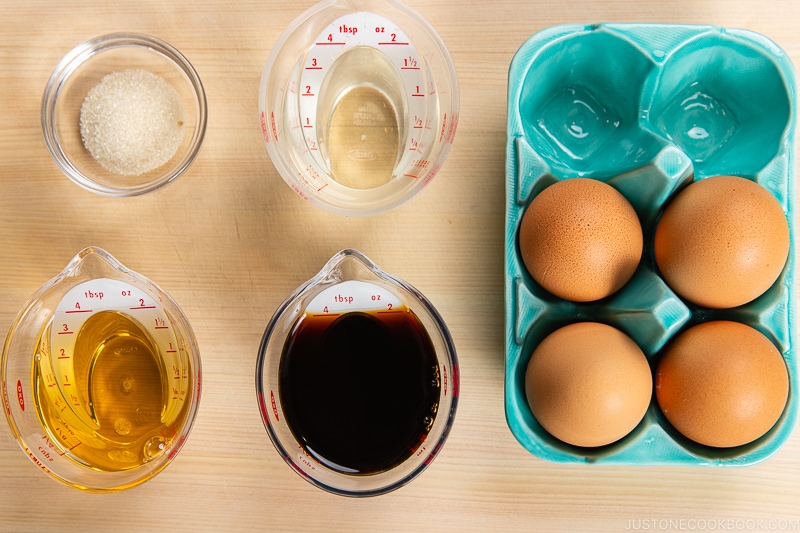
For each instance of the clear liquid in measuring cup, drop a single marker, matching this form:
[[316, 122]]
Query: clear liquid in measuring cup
[[361, 112], [110, 416], [360, 390]]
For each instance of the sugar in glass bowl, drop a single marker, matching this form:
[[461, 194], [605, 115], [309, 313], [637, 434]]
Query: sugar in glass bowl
[[140, 61]]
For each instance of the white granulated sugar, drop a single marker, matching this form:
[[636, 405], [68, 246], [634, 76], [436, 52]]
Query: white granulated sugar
[[132, 122]]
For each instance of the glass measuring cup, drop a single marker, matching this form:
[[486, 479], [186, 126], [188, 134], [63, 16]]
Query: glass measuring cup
[[357, 379], [101, 376], [359, 105]]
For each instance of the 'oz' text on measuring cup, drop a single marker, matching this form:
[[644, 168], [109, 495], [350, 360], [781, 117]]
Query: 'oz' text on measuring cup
[[357, 379], [359, 105], [100, 375]]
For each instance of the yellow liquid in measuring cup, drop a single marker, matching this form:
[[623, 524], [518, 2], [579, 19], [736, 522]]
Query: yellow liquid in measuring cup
[[114, 414], [363, 139]]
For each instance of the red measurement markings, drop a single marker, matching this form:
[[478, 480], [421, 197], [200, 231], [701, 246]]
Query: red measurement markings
[[452, 132], [322, 187], [392, 311], [411, 176], [172, 351], [20, 397], [162, 327], [78, 311], [337, 43], [313, 68], [409, 63], [66, 332], [143, 307], [274, 405], [299, 191], [327, 314], [264, 127], [417, 91], [393, 42]]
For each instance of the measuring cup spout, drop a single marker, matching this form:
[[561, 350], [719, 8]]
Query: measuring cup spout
[[93, 261], [349, 264]]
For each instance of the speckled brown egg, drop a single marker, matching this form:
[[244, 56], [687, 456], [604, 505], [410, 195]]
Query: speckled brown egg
[[722, 242], [722, 384], [580, 239], [588, 384]]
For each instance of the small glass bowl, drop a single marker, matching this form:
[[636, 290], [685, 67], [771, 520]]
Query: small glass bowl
[[83, 68]]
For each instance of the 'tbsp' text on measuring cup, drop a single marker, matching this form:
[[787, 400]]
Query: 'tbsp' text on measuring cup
[[100, 375], [359, 105], [357, 379]]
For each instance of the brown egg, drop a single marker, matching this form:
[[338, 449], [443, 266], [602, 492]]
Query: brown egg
[[722, 242], [722, 384], [580, 239], [588, 384]]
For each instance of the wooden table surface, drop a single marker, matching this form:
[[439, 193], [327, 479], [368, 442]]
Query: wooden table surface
[[229, 241]]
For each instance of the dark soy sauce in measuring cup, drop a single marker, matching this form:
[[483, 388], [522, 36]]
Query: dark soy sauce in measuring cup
[[360, 390]]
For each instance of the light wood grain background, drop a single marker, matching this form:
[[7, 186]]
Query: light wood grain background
[[229, 241]]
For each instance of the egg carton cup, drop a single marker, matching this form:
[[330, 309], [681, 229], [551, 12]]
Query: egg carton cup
[[647, 109]]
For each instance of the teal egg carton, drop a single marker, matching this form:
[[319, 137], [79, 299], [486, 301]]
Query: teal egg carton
[[648, 109]]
